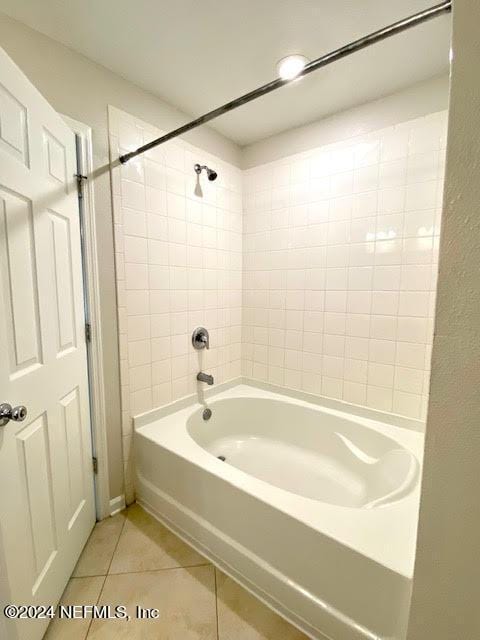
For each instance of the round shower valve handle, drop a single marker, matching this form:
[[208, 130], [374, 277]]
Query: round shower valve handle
[[7, 413], [200, 338]]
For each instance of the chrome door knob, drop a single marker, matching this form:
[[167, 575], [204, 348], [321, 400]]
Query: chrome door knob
[[7, 413]]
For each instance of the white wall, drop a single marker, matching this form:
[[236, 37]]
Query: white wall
[[416, 101], [179, 266], [446, 593], [340, 261], [81, 89]]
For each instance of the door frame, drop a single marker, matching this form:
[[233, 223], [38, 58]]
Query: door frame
[[92, 304]]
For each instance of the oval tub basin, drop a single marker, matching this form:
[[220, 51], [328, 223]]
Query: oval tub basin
[[306, 452]]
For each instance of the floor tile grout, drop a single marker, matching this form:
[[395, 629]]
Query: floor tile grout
[[188, 566], [116, 545], [97, 575], [97, 601], [106, 575], [216, 600]]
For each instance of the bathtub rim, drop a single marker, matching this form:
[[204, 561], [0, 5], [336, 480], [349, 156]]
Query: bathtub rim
[[202, 394]]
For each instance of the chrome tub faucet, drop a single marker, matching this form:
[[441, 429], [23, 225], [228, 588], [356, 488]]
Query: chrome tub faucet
[[205, 377]]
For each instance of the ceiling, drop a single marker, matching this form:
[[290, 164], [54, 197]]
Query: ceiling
[[197, 55]]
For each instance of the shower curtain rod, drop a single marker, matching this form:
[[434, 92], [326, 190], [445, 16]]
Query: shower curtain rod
[[323, 61]]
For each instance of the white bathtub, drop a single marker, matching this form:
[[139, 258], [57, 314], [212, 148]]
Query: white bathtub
[[314, 509]]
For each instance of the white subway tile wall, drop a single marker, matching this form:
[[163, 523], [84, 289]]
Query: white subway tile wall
[[178, 265], [339, 267]]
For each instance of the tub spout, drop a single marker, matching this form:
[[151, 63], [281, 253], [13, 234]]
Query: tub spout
[[205, 377]]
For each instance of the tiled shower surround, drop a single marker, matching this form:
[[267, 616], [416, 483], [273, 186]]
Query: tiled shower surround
[[314, 272], [340, 261], [179, 265]]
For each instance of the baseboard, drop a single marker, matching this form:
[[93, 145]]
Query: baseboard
[[117, 504]]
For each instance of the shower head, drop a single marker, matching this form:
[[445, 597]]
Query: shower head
[[211, 174]]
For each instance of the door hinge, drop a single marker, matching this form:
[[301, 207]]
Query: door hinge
[[95, 465], [80, 180], [88, 332]]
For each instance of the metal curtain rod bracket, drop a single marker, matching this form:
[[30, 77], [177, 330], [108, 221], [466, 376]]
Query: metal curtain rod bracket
[[318, 63]]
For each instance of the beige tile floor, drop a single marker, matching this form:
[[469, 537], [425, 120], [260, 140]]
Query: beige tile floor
[[131, 559]]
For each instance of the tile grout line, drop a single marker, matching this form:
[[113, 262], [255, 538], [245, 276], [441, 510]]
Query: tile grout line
[[124, 573], [106, 575], [96, 602], [189, 566], [216, 600], [117, 543]]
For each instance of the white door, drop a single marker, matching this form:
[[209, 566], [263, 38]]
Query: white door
[[46, 482]]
